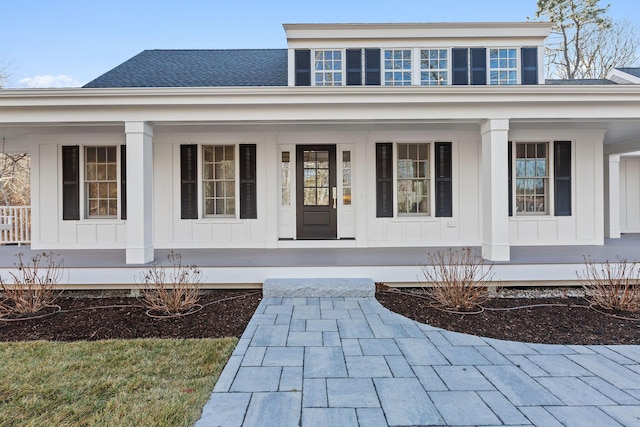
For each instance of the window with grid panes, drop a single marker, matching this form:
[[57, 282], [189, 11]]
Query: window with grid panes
[[328, 67], [397, 67], [219, 180], [101, 182], [434, 65], [532, 178], [413, 179], [503, 66]]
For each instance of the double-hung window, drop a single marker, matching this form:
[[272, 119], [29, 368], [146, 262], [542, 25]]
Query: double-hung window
[[434, 67], [397, 67], [503, 66], [101, 182], [328, 67], [228, 177], [219, 180], [532, 178], [413, 179]]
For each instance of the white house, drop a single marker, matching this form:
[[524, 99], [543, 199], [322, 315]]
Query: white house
[[355, 136]]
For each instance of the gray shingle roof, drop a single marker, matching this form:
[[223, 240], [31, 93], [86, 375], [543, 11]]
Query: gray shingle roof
[[579, 82], [198, 68], [634, 71]]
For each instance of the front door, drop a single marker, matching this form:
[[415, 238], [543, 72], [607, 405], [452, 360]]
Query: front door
[[316, 192]]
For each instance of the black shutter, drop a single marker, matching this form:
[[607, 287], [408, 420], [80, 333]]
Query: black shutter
[[372, 67], [71, 182], [444, 188], [123, 182], [248, 202], [384, 180], [510, 176], [189, 181], [479, 66], [562, 175], [529, 65], [460, 66], [303, 67], [354, 67]]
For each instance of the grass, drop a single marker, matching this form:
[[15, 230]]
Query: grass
[[105, 383]]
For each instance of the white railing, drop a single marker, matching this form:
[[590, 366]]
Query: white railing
[[15, 225]]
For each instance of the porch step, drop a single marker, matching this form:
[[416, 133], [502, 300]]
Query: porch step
[[338, 287]]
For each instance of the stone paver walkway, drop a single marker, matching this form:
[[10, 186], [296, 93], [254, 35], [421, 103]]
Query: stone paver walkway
[[351, 362]]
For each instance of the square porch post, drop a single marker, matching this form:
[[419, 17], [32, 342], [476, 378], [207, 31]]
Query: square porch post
[[495, 197], [612, 197], [139, 192]]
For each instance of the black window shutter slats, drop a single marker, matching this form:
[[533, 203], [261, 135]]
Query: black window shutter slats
[[372, 67], [123, 182], [248, 193], [562, 174], [71, 182], [510, 176], [354, 67], [529, 65], [303, 67], [460, 66], [189, 181], [384, 180], [479, 66], [444, 190]]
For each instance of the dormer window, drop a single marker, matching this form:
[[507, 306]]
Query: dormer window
[[434, 66], [328, 67], [503, 66], [397, 67]]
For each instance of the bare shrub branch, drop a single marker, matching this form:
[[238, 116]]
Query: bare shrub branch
[[171, 290], [612, 286], [34, 287], [458, 279]]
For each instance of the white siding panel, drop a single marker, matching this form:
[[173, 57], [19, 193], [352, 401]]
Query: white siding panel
[[630, 194], [164, 201], [50, 192]]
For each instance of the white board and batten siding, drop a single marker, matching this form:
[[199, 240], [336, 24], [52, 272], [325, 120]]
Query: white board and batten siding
[[630, 194], [358, 225]]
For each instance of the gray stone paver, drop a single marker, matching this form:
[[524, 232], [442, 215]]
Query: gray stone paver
[[349, 361]]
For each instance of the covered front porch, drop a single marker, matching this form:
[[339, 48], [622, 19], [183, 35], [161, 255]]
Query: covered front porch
[[249, 268]]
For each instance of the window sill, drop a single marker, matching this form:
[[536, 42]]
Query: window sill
[[414, 218]]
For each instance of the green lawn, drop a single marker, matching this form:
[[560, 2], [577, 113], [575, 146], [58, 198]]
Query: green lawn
[[107, 383]]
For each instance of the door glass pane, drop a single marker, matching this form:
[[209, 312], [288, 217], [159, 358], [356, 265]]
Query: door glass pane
[[323, 197]]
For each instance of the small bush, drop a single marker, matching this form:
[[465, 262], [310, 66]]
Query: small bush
[[34, 287], [173, 290], [612, 286], [459, 280]]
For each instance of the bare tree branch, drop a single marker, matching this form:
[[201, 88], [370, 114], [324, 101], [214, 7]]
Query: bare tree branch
[[585, 42]]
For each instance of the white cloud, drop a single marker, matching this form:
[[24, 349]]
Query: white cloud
[[61, 80]]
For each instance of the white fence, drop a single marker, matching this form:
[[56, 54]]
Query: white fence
[[15, 225]]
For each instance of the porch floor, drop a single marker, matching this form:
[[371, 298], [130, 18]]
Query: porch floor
[[529, 265], [627, 247]]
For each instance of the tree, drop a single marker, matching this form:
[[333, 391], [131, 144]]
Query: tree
[[585, 42]]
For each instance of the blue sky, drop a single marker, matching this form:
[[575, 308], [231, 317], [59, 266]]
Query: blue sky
[[48, 43]]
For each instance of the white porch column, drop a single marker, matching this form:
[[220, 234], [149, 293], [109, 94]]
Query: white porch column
[[613, 190], [495, 198], [139, 192]]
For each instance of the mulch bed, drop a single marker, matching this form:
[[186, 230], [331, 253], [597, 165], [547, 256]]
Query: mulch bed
[[557, 321], [97, 319], [226, 314]]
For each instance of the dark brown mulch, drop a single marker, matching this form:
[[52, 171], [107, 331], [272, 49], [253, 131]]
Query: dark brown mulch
[[573, 322], [82, 319]]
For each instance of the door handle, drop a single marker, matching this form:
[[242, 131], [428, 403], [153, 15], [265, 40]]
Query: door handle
[[335, 197]]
